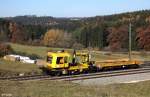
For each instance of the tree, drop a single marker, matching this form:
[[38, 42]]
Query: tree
[[92, 36], [3, 36], [57, 38], [17, 33], [143, 37], [5, 49], [118, 38], [4, 32]]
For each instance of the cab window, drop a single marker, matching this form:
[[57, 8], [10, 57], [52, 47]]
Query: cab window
[[49, 59], [60, 60]]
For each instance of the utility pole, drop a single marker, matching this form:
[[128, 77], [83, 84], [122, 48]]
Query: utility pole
[[130, 41]]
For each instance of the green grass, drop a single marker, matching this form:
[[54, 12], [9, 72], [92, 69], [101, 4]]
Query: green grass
[[38, 50], [98, 56], [66, 89]]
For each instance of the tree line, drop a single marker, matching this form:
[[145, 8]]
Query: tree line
[[101, 32]]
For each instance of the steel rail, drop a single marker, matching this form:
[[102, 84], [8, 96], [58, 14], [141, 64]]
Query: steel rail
[[81, 76], [108, 75], [146, 68]]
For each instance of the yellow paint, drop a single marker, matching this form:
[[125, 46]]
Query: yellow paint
[[63, 61], [65, 65]]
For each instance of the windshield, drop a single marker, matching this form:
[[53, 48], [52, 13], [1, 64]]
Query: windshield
[[61, 60]]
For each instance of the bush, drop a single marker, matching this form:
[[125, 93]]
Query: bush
[[5, 49]]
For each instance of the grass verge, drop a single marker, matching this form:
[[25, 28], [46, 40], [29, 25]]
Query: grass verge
[[66, 89], [9, 68], [98, 55]]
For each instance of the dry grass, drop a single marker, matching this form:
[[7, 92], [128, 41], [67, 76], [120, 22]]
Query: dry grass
[[38, 50], [10, 68], [98, 55], [101, 56], [66, 89], [13, 68]]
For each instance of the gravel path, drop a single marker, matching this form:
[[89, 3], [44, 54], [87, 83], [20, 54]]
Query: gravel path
[[115, 79]]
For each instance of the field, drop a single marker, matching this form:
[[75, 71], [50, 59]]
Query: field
[[96, 55], [47, 88], [9, 68], [37, 50]]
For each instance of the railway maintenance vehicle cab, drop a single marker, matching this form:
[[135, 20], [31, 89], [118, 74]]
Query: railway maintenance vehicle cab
[[65, 63]]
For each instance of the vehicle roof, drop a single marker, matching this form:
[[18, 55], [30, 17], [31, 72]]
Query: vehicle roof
[[61, 54], [81, 54]]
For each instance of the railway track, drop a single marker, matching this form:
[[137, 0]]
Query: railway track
[[146, 64], [109, 74], [145, 69]]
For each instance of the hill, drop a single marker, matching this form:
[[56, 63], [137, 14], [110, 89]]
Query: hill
[[102, 32]]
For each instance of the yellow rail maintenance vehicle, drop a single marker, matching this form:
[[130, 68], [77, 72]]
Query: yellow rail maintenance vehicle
[[65, 63], [58, 63]]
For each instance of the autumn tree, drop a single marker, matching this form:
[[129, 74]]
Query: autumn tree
[[5, 49], [118, 38], [143, 37], [57, 38], [4, 32], [17, 33]]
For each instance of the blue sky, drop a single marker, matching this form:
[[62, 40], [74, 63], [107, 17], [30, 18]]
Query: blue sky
[[70, 8]]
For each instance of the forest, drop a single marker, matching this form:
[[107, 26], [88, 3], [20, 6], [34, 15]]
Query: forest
[[108, 32]]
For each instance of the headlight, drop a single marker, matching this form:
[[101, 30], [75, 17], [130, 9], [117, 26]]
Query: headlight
[[57, 66]]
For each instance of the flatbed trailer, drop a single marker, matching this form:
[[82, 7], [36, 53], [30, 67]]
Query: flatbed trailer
[[118, 63]]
